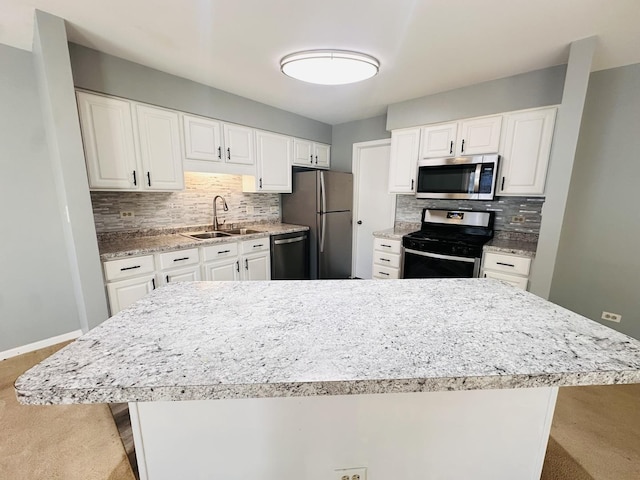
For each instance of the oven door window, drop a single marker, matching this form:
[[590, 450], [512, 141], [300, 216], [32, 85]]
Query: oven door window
[[432, 265], [447, 179]]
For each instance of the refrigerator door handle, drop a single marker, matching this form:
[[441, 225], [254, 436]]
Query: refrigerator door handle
[[323, 202]]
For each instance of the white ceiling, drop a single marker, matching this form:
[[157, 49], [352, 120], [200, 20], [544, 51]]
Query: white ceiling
[[424, 46]]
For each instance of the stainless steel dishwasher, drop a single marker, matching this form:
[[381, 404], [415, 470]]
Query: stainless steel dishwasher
[[290, 256]]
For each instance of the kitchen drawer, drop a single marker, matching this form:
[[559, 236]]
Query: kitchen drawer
[[255, 245], [386, 245], [219, 251], [386, 259], [518, 282], [512, 264], [178, 258], [128, 267], [382, 272]]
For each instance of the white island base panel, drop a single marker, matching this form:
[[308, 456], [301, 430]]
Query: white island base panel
[[479, 434]]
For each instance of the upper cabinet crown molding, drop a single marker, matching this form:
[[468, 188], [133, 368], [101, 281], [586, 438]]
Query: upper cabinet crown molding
[[134, 149]]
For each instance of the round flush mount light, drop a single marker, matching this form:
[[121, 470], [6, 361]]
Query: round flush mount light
[[329, 67]]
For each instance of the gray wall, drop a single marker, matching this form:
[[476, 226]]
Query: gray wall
[[105, 73], [527, 90], [598, 266], [36, 294], [60, 114], [346, 134]]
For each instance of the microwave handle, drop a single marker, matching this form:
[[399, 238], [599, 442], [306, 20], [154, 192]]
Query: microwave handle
[[476, 180]]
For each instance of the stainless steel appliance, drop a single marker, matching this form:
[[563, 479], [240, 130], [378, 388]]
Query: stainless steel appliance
[[471, 178], [448, 244], [322, 200], [290, 256]]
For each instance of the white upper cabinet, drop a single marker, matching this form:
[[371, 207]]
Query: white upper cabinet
[[273, 167], [130, 146], [311, 154], [202, 139], [159, 136], [524, 151], [109, 144], [467, 137], [405, 148], [439, 140], [238, 143], [480, 135]]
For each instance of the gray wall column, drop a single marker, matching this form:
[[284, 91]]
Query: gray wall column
[[57, 97], [563, 152]]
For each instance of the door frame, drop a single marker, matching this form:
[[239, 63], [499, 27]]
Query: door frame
[[358, 148]]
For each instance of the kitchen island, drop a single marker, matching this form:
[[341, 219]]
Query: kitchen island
[[451, 378]]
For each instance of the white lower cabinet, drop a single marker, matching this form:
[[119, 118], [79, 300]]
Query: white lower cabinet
[[221, 262], [255, 259], [387, 258], [128, 280], [513, 269], [179, 266]]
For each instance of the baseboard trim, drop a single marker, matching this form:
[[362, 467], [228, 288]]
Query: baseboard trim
[[47, 342]]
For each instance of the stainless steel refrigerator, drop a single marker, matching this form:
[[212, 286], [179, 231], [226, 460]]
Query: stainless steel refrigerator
[[322, 200]]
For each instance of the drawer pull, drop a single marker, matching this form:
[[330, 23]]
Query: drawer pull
[[506, 264], [383, 273], [129, 268], [385, 259], [223, 251], [384, 245], [180, 259], [258, 245]]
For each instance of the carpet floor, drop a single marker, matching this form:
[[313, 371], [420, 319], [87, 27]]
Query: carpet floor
[[595, 434]]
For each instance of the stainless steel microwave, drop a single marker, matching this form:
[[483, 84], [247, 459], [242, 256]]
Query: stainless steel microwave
[[470, 178]]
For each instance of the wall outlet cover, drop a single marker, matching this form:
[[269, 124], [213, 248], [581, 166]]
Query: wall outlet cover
[[127, 214], [355, 473], [612, 317]]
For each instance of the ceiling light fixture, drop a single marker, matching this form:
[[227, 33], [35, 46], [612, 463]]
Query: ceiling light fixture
[[329, 67]]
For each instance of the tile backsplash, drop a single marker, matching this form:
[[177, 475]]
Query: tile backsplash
[[409, 210], [192, 206]]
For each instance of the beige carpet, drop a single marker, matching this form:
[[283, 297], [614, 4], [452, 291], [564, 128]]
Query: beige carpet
[[66, 442]]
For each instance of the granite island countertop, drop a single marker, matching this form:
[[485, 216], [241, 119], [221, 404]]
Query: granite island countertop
[[212, 340], [112, 247]]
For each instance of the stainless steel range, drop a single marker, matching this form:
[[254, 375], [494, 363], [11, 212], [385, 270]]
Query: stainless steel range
[[448, 245]]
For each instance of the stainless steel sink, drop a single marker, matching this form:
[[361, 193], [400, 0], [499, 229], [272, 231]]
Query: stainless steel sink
[[242, 231], [207, 235]]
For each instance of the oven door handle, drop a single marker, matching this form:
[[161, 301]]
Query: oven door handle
[[438, 255]]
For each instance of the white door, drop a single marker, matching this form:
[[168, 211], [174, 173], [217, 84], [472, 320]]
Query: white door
[[374, 207]]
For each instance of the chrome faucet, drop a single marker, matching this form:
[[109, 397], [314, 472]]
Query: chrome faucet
[[225, 207]]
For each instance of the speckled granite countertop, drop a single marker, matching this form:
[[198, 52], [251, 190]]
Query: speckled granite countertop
[[515, 247], [210, 340], [119, 246], [398, 231]]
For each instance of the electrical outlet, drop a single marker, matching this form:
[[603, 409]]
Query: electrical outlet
[[127, 214], [517, 219], [250, 209], [356, 473], [612, 317]]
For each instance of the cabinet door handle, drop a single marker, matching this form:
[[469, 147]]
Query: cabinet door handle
[[316, 159], [451, 148], [135, 181], [261, 183], [167, 277], [502, 186], [228, 153], [506, 264], [153, 283], [311, 157], [246, 264], [238, 266], [129, 268], [223, 251], [220, 153], [412, 182], [180, 259], [149, 178], [462, 150]]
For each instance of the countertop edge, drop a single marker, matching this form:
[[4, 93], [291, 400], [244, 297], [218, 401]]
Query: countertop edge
[[322, 388]]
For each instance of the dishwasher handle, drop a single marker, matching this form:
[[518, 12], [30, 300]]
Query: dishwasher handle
[[290, 240]]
